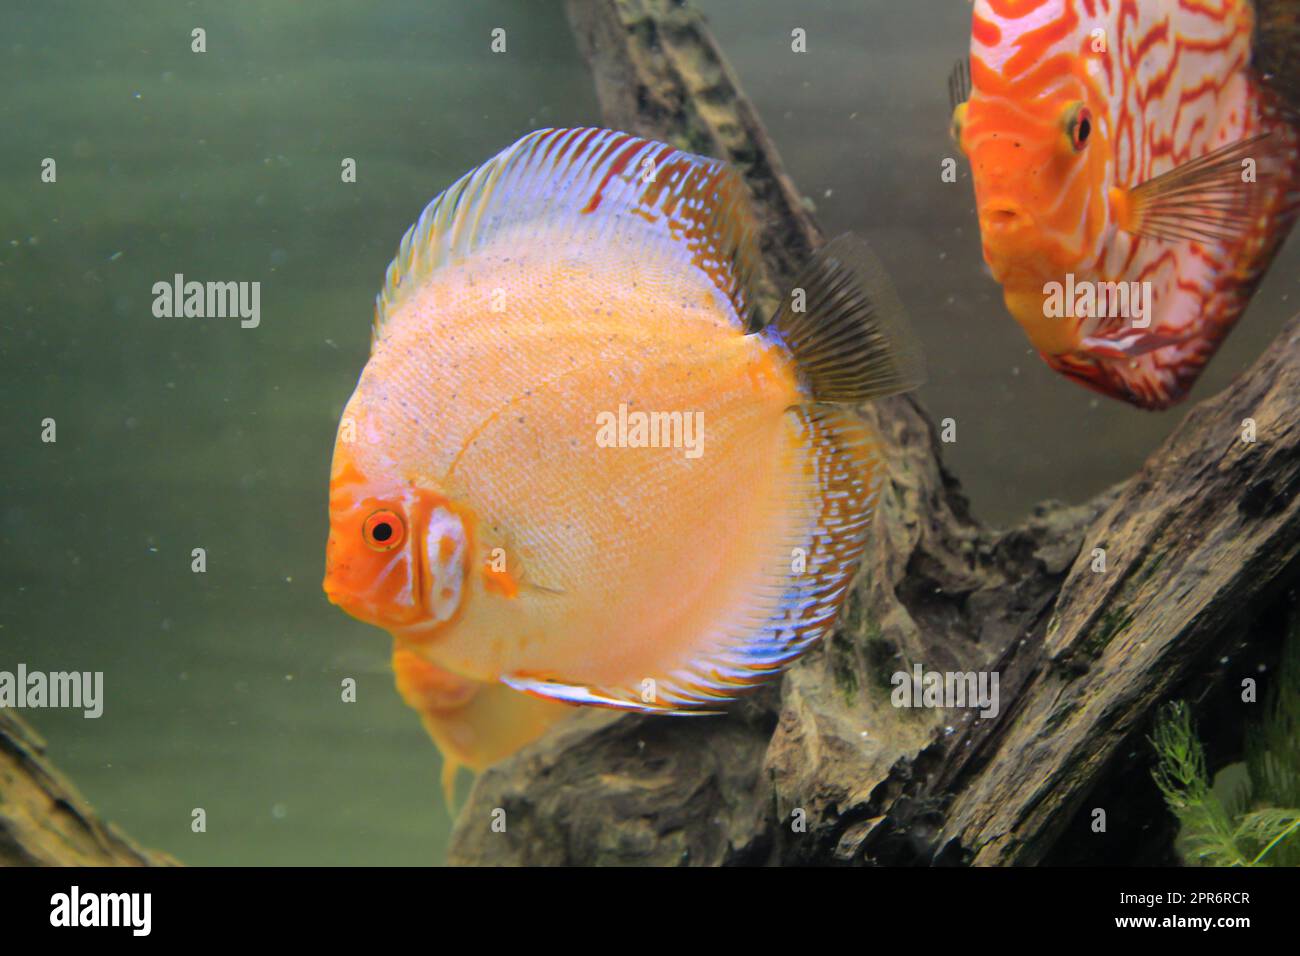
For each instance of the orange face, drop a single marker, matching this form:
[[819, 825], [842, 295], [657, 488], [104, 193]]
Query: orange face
[[1038, 145], [397, 553]]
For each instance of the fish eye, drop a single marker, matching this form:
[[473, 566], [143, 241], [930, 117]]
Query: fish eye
[[383, 530], [1078, 126]]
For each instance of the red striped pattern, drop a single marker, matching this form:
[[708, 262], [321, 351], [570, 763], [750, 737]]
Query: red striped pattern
[[1173, 84]]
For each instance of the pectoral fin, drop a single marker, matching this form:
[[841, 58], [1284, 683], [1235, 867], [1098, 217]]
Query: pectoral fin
[[1210, 199]]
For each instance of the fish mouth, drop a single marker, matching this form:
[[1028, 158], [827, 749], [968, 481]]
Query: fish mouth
[[1013, 247], [348, 601], [1004, 218]]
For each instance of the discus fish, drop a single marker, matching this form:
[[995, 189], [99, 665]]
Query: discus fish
[[577, 466], [1136, 170]]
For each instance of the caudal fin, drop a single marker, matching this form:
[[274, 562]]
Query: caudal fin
[[847, 328], [1276, 53]]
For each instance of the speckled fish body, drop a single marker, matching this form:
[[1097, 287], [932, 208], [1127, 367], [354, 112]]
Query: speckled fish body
[[591, 480]]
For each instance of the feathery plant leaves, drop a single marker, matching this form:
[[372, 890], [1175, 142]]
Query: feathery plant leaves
[[1259, 825], [1209, 836], [1270, 828]]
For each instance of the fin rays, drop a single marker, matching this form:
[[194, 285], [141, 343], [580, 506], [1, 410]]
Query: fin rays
[[591, 185], [1205, 199], [850, 339], [959, 83]]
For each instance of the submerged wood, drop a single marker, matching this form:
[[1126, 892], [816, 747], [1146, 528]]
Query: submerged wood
[[823, 768], [44, 821]]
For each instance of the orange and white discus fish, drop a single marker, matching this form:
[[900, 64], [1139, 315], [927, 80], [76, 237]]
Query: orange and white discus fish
[[1136, 169], [572, 468]]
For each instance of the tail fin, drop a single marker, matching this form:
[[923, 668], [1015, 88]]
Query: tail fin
[[847, 328], [1276, 55]]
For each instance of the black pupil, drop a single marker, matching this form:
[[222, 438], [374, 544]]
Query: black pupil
[[1085, 127], [383, 531]]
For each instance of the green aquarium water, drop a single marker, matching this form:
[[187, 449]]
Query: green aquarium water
[[223, 689]]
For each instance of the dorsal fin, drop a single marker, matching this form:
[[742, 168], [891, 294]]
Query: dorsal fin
[[851, 338], [589, 185]]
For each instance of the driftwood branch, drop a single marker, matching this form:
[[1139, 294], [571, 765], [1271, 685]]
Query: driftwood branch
[[1199, 545], [44, 821]]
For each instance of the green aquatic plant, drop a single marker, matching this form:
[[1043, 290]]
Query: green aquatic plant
[[1256, 823]]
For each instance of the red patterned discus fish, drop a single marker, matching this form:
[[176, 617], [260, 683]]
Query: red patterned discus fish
[[573, 469], [1136, 169]]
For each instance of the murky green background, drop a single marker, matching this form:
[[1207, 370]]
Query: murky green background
[[223, 689]]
